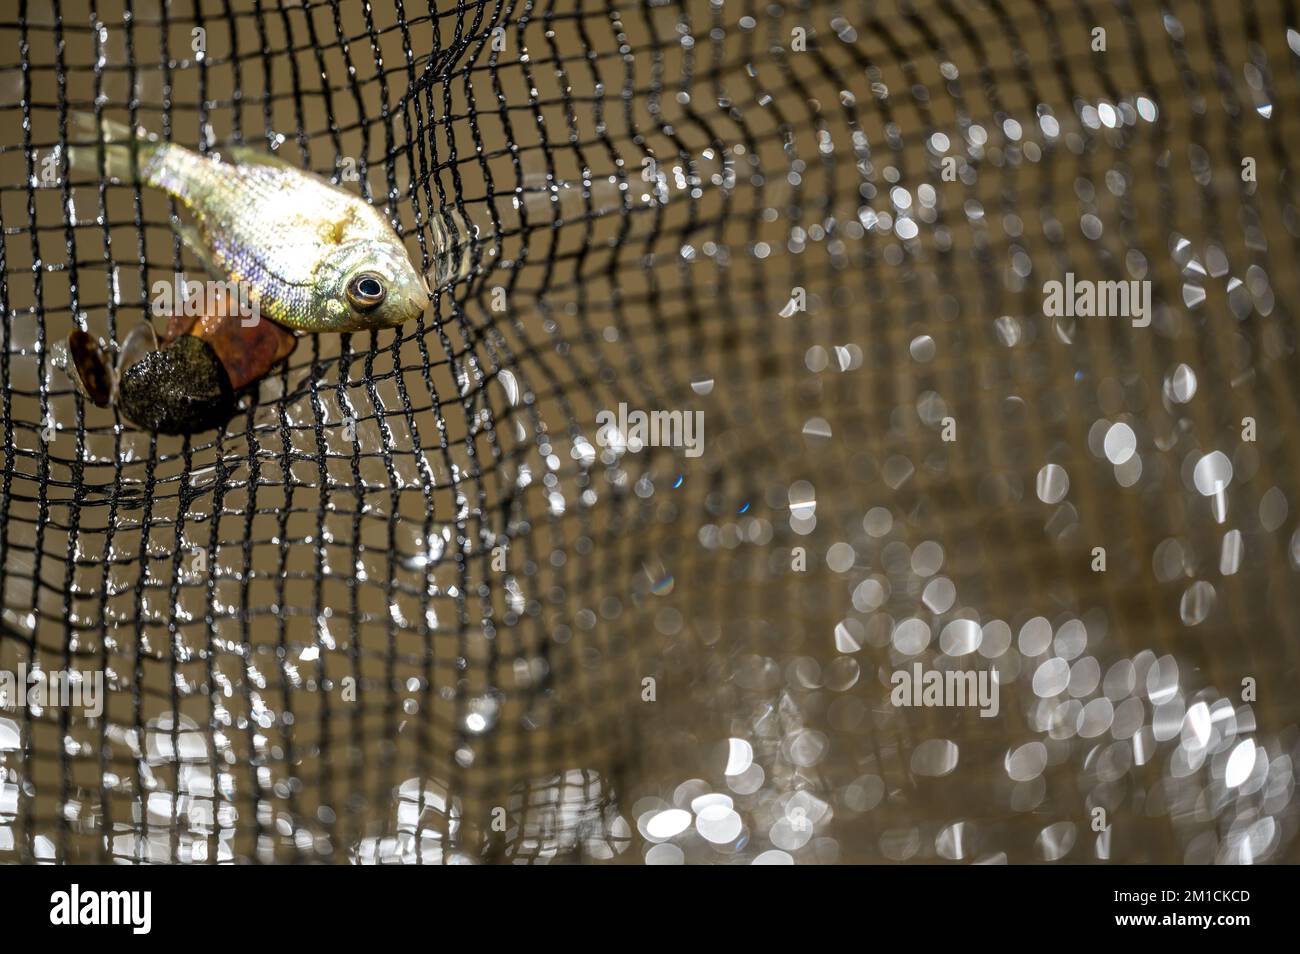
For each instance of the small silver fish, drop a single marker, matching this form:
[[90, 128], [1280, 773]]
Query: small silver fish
[[316, 257]]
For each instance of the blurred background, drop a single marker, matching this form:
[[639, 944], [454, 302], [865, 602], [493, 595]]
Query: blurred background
[[408, 608]]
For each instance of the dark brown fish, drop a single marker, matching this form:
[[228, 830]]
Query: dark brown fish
[[191, 383]]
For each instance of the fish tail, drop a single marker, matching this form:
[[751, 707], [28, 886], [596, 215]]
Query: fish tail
[[122, 147]]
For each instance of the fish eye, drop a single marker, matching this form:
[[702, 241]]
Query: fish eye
[[366, 291]]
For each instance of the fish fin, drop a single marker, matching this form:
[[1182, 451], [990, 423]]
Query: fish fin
[[139, 341], [192, 237], [247, 352], [89, 369], [119, 143]]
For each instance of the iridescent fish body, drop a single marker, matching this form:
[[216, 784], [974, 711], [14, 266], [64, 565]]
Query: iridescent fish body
[[315, 257]]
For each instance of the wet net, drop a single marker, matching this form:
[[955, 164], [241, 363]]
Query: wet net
[[414, 604]]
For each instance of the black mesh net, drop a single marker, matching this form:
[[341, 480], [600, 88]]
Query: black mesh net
[[407, 607]]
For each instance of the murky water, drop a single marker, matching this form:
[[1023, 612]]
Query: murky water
[[410, 608]]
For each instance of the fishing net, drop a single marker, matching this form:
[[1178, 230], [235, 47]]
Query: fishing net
[[409, 606]]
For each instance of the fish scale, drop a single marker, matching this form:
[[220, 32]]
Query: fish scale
[[270, 214], [286, 303]]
